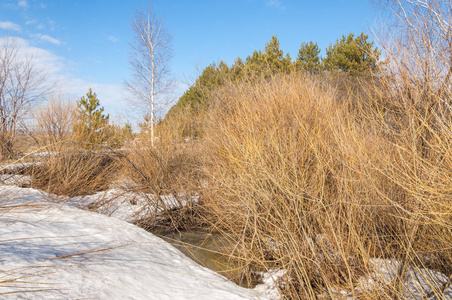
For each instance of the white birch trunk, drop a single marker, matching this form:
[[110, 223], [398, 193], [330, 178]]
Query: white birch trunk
[[149, 60]]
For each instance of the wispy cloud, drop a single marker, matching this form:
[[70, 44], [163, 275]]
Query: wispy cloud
[[9, 26], [47, 38], [52, 24], [23, 3], [30, 20], [112, 39], [55, 68], [275, 3]]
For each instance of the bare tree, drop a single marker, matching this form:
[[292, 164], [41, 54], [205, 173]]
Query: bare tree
[[21, 85], [419, 45], [417, 85], [54, 121], [149, 61]]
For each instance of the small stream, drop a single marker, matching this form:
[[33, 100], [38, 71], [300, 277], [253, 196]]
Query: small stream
[[207, 249]]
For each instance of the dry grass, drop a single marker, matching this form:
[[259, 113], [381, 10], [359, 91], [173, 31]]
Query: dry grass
[[186, 124], [76, 171], [314, 175], [172, 173], [310, 176], [299, 181], [53, 123], [23, 145]]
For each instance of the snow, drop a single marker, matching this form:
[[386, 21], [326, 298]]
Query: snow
[[115, 202], [13, 179], [53, 248], [58, 251], [14, 168], [125, 205], [268, 287], [418, 281]]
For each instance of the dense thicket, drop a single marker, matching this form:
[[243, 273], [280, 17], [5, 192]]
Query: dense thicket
[[350, 56]]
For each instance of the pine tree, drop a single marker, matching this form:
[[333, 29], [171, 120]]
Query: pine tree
[[270, 61], [237, 69], [255, 64], [90, 123], [308, 58], [127, 132], [353, 55], [273, 56], [197, 96]]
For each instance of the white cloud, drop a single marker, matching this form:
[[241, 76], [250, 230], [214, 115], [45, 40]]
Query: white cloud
[[47, 38], [110, 95], [55, 68], [112, 39], [10, 26], [44, 60], [275, 3], [23, 3]]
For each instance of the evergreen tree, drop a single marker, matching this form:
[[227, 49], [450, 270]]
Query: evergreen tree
[[255, 63], [237, 69], [308, 58], [273, 56], [127, 132], [90, 122], [353, 55], [196, 97], [116, 136], [270, 61]]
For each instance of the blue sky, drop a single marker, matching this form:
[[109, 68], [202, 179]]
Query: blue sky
[[86, 43]]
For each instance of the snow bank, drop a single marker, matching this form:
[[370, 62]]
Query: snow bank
[[54, 251], [51, 250]]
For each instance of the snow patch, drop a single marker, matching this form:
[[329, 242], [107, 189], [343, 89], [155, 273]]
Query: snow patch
[[418, 282], [57, 251]]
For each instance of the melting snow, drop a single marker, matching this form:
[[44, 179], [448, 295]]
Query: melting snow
[[57, 251]]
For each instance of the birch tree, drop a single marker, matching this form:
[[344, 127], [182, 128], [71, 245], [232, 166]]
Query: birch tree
[[21, 86], [150, 54]]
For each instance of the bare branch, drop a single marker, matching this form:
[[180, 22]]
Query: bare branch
[[21, 86], [149, 61]]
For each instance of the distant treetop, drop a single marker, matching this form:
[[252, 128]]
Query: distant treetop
[[350, 54]]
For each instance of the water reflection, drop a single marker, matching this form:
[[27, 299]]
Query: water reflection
[[208, 250]]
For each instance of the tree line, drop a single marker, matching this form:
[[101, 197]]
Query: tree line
[[351, 55], [22, 85]]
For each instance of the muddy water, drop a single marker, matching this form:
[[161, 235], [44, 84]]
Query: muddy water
[[206, 249]]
